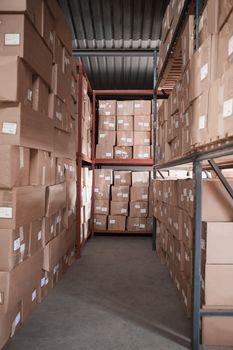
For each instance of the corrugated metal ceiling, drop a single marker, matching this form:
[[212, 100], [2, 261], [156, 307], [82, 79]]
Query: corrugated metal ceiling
[[119, 24]]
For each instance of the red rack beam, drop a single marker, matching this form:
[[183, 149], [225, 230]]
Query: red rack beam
[[145, 162], [125, 232]]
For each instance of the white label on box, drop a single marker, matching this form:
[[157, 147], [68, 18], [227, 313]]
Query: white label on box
[[101, 176], [12, 39], [142, 225], [102, 136], [96, 189], [120, 121], [146, 124], [137, 206], [126, 124], [21, 157], [123, 138], [22, 248], [202, 122], [17, 319], [117, 176], [51, 229], [107, 178], [29, 94], [125, 195], [204, 71], [34, 295], [98, 223], [107, 113], [120, 105], [71, 168], [108, 154], [112, 125], [144, 196], [112, 221], [230, 46], [39, 235], [123, 181], [119, 194], [9, 128], [16, 244], [129, 140], [137, 105], [104, 209], [102, 105], [143, 211], [58, 115], [145, 155], [146, 140], [46, 281], [227, 108], [6, 213], [106, 122], [123, 210], [57, 220], [42, 282]]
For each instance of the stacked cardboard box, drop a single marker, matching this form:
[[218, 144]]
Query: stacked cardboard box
[[86, 120], [37, 152], [124, 129], [205, 97], [86, 197], [121, 201], [173, 209]]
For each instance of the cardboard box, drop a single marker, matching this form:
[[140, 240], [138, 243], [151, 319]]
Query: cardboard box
[[40, 168], [100, 222], [125, 123], [187, 230], [186, 295], [116, 223], [58, 111], [187, 41], [107, 137], [140, 178], [103, 177], [102, 192], [14, 165], [54, 250], [48, 228], [119, 208], [125, 108], [35, 236], [15, 243], [136, 224], [48, 26], [142, 123], [107, 107], [101, 207], [141, 152], [70, 212], [120, 193], [138, 209], [123, 152], [162, 112], [139, 194], [25, 43], [209, 20], [70, 170], [201, 120], [124, 138], [142, 138], [107, 123], [142, 107], [224, 8], [40, 96], [179, 255], [104, 151], [188, 263], [64, 144], [19, 125], [149, 224], [21, 205], [55, 198], [9, 323], [122, 178]]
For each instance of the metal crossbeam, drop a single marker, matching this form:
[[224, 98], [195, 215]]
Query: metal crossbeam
[[113, 52], [221, 177]]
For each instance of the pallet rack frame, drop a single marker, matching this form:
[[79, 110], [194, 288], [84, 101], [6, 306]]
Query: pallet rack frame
[[196, 159]]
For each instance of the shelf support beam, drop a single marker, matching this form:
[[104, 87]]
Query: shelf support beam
[[221, 177]]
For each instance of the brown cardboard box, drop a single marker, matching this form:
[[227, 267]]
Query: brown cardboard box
[[107, 137], [11, 286], [101, 207], [25, 43], [186, 295], [125, 123], [64, 144], [201, 120], [179, 255], [187, 230], [15, 243], [100, 222], [122, 178], [54, 251], [116, 223], [142, 123], [58, 111], [70, 170], [140, 178], [21, 205], [60, 170], [55, 198], [120, 193], [142, 107], [48, 229], [209, 20], [70, 212], [124, 138], [107, 123], [218, 280], [163, 112], [104, 151], [177, 222], [40, 96], [40, 167], [142, 138], [102, 192], [136, 224], [224, 9], [217, 331], [186, 129], [139, 194], [103, 177], [138, 209], [216, 242], [141, 152], [35, 236], [19, 126], [45, 285], [48, 26], [187, 41], [119, 208], [9, 323], [123, 152], [149, 224], [107, 107], [14, 165], [187, 263], [125, 108]]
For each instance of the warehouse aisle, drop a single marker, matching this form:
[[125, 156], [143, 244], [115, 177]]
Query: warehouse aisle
[[117, 297]]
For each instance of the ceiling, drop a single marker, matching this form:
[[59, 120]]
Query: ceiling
[[116, 40]]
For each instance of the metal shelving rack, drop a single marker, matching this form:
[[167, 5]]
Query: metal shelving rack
[[148, 163], [198, 160], [81, 159]]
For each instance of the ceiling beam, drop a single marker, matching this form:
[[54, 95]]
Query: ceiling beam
[[113, 52]]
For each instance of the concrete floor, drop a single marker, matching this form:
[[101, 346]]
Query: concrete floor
[[117, 297]]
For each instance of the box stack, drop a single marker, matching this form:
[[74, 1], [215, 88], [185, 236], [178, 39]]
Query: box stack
[[86, 120], [124, 129], [86, 197], [205, 95], [121, 201], [37, 152], [173, 209]]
